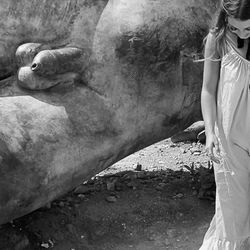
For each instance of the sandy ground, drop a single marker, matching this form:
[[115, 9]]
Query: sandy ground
[[158, 198]]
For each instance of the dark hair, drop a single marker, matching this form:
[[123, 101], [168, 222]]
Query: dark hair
[[239, 9]]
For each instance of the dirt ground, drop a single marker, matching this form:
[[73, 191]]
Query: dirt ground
[[161, 197]]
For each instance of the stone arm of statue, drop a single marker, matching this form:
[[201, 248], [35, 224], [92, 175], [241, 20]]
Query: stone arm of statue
[[41, 67]]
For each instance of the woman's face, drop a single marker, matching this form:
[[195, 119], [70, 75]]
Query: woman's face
[[240, 28]]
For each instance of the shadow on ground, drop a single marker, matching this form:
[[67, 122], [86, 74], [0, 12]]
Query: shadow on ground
[[139, 210]]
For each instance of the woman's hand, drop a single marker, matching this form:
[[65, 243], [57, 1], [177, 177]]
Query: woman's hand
[[212, 147]]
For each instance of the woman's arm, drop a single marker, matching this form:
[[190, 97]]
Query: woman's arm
[[208, 94]]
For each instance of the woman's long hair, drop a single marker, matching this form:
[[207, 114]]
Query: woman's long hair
[[239, 9]]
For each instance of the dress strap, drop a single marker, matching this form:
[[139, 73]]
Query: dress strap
[[230, 44]]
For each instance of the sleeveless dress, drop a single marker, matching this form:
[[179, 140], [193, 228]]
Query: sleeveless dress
[[230, 226]]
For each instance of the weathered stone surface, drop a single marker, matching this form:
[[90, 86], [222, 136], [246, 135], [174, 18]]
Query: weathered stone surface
[[149, 47], [136, 88], [189, 134]]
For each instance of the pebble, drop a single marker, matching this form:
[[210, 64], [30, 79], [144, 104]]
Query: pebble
[[45, 245], [51, 243], [196, 153], [195, 150]]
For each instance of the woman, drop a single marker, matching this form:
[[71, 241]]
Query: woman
[[225, 100]]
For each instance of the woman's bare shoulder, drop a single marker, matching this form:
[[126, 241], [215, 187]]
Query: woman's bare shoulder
[[211, 48]]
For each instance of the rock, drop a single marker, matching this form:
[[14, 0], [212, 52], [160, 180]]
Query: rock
[[196, 153], [45, 245], [137, 60], [190, 133], [49, 244], [202, 137]]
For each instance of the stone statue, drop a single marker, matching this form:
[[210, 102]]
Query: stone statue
[[86, 83]]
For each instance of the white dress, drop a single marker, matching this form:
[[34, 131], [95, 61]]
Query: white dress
[[230, 227]]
